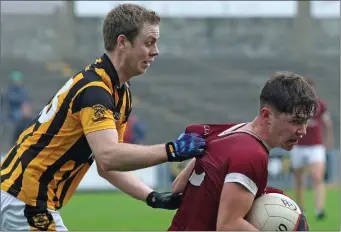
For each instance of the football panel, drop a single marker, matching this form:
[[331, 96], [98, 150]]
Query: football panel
[[251, 217], [257, 215], [282, 211], [278, 199], [278, 224]]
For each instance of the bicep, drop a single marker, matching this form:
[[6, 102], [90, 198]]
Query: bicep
[[102, 142], [235, 202]]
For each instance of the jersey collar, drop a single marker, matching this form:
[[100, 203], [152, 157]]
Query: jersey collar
[[112, 73]]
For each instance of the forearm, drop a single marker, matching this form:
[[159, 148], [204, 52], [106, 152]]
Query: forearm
[[237, 225], [128, 183], [129, 157], [181, 180]]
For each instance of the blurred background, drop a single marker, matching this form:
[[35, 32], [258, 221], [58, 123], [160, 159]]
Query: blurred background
[[214, 59]]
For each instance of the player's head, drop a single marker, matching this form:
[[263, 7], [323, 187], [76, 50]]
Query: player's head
[[132, 31], [311, 82], [287, 102]]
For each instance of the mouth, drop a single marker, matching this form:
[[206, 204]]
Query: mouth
[[147, 63], [293, 141]]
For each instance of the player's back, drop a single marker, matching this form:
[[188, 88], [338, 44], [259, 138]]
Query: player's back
[[224, 160]]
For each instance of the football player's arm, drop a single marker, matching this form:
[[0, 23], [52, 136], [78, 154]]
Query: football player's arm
[[95, 107], [235, 203], [181, 180], [127, 182], [133, 186], [112, 155], [327, 129], [240, 187]]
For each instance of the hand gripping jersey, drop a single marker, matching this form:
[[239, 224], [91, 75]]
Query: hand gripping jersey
[[52, 155], [231, 156]]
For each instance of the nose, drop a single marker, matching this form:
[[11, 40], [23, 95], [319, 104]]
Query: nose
[[302, 129], [154, 51]]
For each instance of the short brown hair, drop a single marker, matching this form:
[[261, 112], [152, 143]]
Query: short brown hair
[[126, 19], [289, 93]]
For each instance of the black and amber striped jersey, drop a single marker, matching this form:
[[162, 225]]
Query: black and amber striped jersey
[[52, 155]]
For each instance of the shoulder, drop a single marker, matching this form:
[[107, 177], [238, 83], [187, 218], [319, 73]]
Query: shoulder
[[93, 95], [322, 104], [243, 145]]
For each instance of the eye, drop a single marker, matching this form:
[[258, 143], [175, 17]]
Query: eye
[[299, 121]]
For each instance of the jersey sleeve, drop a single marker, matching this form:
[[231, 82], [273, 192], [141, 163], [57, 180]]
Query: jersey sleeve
[[121, 130], [248, 172], [95, 106], [325, 115]]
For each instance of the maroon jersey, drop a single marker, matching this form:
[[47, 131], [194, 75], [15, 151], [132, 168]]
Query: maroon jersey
[[230, 157], [314, 128]]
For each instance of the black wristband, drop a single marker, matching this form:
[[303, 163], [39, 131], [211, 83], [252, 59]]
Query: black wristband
[[170, 149]]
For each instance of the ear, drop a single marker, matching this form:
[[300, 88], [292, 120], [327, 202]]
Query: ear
[[121, 42], [265, 113]]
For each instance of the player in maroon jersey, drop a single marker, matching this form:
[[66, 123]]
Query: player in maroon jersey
[[220, 187], [310, 152]]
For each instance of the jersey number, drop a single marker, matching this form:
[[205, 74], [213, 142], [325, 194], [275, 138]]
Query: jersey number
[[196, 179], [48, 112]]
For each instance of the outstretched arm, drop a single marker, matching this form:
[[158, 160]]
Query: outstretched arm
[[133, 186], [127, 182]]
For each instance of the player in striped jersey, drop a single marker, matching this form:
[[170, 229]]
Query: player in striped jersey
[[85, 121]]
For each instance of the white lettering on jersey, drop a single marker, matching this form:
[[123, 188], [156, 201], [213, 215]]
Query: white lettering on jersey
[[243, 180]]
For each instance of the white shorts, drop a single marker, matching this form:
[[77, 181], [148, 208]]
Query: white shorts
[[302, 156], [12, 216]]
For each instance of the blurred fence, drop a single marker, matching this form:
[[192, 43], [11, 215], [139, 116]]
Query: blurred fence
[[209, 69]]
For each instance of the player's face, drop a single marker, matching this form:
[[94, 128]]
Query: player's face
[[285, 129], [142, 51]]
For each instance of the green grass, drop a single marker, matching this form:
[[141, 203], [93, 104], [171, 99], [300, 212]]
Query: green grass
[[116, 211]]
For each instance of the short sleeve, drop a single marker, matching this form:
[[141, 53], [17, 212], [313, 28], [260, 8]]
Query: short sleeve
[[121, 130], [249, 172], [95, 106], [325, 115]]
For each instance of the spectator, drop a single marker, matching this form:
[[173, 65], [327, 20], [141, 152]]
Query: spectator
[[16, 96], [310, 152], [24, 122], [135, 131]]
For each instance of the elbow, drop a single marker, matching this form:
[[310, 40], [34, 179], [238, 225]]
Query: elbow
[[227, 226], [102, 167], [106, 164], [100, 171]]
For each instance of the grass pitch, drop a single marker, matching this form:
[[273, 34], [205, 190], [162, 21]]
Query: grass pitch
[[116, 211]]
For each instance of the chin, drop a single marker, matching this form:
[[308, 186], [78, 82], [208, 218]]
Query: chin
[[141, 71], [287, 147]]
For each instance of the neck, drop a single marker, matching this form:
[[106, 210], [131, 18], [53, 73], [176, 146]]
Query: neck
[[257, 127], [118, 62]]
